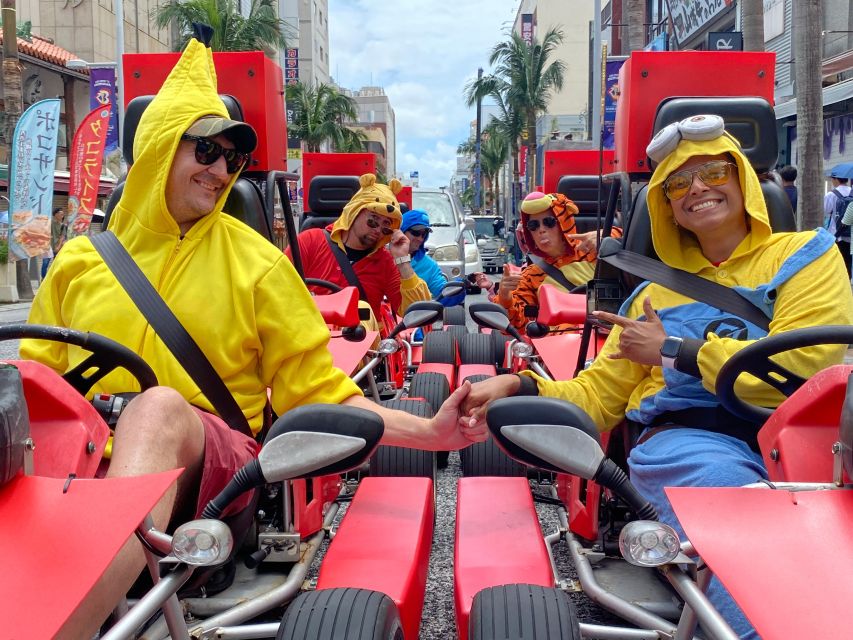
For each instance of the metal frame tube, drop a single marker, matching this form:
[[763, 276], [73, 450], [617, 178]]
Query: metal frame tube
[[370, 366], [712, 622], [605, 632]]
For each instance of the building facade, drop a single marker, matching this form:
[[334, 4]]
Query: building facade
[[376, 119]]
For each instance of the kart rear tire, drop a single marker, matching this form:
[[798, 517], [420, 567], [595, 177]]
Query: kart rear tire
[[457, 331], [332, 614], [523, 612], [454, 315], [439, 346], [487, 458], [435, 389], [500, 341], [477, 348], [403, 461]]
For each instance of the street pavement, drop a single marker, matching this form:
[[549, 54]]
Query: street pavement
[[12, 313]]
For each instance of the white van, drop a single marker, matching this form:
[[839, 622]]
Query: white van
[[452, 233]]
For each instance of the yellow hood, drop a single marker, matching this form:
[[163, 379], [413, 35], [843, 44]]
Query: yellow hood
[[679, 248], [188, 94], [375, 197]]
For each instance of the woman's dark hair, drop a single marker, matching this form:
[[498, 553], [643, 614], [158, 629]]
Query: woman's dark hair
[[57, 209]]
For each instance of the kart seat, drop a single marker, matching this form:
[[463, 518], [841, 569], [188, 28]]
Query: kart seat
[[583, 191], [245, 201], [327, 197], [752, 122]]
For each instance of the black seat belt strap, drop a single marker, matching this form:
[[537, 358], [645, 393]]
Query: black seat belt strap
[[683, 282], [346, 267], [171, 331]]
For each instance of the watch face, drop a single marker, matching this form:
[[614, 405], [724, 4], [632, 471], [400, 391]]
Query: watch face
[[670, 347]]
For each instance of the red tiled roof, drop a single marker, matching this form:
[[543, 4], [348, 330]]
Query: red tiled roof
[[44, 49]]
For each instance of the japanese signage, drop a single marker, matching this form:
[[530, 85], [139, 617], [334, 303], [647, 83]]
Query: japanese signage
[[527, 28], [688, 16], [291, 66], [611, 96], [86, 155], [31, 181], [102, 92]]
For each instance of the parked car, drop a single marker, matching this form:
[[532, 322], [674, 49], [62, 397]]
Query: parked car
[[491, 242], [452, 243]]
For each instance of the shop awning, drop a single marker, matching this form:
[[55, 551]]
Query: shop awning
[[834, 93]]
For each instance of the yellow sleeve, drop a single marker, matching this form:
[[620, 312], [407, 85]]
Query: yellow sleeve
[[296, 363], [47, 310], [818, 295], [412, 289], [604, 390]]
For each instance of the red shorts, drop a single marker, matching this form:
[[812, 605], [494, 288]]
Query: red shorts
[[225, 452]]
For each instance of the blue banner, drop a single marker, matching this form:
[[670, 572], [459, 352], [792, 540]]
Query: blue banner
[[102, 91], [611, 97], [31, 180]]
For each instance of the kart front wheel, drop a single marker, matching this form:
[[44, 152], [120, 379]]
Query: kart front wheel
[[523, 612], [330, 614]]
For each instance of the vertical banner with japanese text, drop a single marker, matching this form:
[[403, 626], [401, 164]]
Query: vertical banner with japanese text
[[611, 96], [85, 157], [102, 92], [31, 168]]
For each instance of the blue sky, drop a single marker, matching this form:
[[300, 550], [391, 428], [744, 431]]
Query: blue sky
[[422, 54]]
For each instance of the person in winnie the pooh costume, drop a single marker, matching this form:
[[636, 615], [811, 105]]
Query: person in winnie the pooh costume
[[234, 292], [368, 234]]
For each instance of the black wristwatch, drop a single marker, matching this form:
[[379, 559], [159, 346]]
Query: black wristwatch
[[669, 351]]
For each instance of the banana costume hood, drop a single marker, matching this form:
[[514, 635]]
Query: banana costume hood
[[233, 291], [375, 197], [796, 279]]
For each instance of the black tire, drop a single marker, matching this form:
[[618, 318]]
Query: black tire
[[432, 387], [457, 331], [341, 614], [454, 315], [403, 461], [500, 341], [477, 348], [523, 612], [439, 346]]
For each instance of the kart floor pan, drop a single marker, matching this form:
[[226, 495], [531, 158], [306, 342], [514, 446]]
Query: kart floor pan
[[638, 585]]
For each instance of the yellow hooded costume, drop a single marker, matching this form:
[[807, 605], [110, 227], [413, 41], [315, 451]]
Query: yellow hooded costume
[[235, 293], [797, 279]]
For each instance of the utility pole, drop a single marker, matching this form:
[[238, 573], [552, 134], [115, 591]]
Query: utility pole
[[477, 174]]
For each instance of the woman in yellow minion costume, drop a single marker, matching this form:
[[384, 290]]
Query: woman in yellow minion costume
[[659, 365]]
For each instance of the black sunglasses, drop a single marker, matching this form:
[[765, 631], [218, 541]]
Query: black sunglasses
[[550, 222], [419, 234], [207, 152], [373, 223]]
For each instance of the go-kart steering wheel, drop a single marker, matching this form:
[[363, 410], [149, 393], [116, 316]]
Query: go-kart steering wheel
[[325, 284], [755, 360], [106, 355]]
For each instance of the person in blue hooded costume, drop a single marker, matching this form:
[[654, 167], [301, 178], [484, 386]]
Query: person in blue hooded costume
[[416, 227]]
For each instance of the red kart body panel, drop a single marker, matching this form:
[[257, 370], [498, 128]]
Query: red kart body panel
[[574, 162], [559, 352], [308, 509], [383, 544], [339, 309], [559, 307], [466, 370], [582, 499], [63, 424], [804, 427], [447, 370], [347, 355], [335, 164], [498, 541], [55, 543], [786, 557]]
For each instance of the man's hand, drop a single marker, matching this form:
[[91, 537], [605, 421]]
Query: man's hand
[[482, 393], [587, 242], [483, 281], [640, 340], [399, 245], [509, 283], [451, 431]]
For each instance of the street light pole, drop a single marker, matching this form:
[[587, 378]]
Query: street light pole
[[119, 5], [595, 107], [477, 174]]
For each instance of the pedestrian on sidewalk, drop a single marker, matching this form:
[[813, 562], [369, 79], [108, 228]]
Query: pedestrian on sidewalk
[[58, 227]]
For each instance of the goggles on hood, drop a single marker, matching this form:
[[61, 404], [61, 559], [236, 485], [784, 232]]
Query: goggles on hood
[[701, 127], [207, 152], [712, 174]]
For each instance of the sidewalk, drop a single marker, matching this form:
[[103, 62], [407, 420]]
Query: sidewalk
[[13, 312]]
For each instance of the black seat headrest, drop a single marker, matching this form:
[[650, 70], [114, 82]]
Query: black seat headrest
[[751, 120], [137, 106], [328, 195], [316, 222], [583, 191]]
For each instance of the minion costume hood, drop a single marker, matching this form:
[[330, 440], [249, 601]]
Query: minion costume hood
[[376, 198], [681, 249]]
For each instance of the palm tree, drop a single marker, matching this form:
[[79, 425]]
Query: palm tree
[[509, 123], [493, 154], [261, 30], [808, 21], [319, 115], [529, 78]]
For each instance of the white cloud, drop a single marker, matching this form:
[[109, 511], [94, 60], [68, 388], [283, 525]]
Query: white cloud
[[422, 54]]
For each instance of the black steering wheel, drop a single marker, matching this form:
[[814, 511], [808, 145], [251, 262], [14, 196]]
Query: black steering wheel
[[107, 355], [755, 360], [325, 284]]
